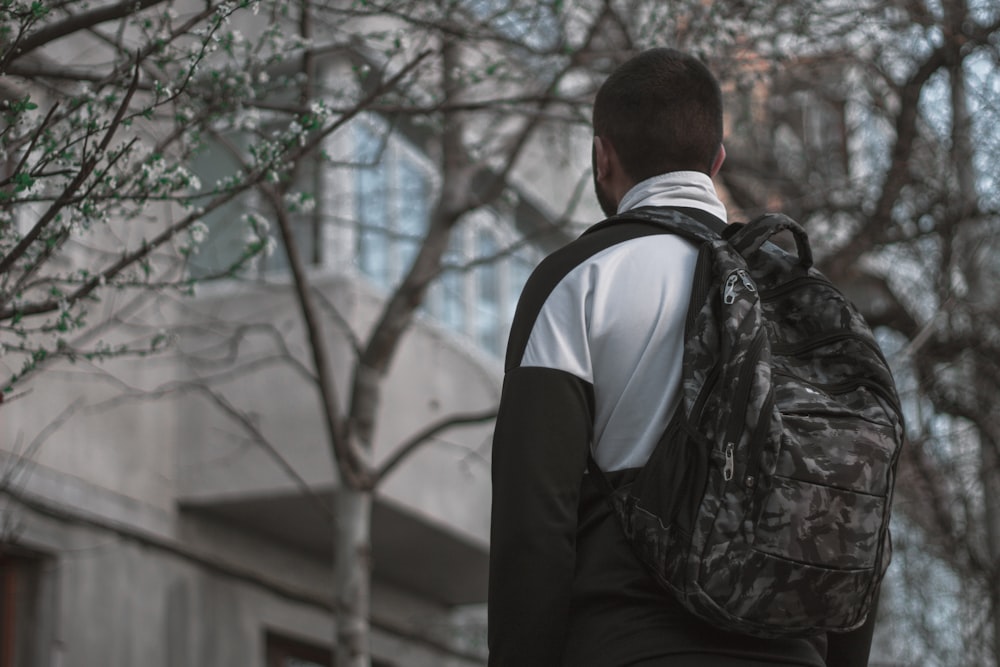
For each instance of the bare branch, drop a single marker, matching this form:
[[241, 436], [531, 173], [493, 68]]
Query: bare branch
[[353, 470], [408, 447], [74, 23], [339, 320], [875, 231], [251, 428], [9, 478]]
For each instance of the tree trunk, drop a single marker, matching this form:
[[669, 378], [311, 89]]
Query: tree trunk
[[352, 577], [989, 475], [990, 472]]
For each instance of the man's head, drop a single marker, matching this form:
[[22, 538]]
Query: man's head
[[660, 111]]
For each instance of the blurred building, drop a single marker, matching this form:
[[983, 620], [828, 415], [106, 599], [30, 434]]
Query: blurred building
[[148, 523]]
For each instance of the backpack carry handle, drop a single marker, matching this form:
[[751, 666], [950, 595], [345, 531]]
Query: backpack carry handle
[[748, 238]]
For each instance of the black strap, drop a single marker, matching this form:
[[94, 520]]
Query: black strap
[[669, 219], [651, 214], [704, 217], [598, 476]]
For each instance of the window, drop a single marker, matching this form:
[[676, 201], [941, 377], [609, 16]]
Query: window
[[228, 228], [485, 270], [372, 205], [535, 24], [412, 210], [521, 266], [287, 652], [390, 187], [20, 609], [448, 295], [488, 290], [226, 232], [394, 190]]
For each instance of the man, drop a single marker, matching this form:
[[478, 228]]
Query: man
[[593, 364]]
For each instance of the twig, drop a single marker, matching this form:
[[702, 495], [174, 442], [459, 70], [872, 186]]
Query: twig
[[250, 427], [353, 470], [74, 23], [413, 443]]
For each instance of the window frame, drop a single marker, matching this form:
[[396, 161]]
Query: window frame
[[394, 154], [514, 262], [24, 607], [280, 648]]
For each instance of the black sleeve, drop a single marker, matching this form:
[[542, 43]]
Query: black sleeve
[[540, 445], [851, 649]]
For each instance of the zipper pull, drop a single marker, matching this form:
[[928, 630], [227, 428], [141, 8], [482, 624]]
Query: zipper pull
[[729, 296], [727, 471], [745, 277]]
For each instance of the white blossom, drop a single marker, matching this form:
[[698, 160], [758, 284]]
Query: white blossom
[[257, 223], [300, 202], [270, 244], [248, 119], [198, 232]]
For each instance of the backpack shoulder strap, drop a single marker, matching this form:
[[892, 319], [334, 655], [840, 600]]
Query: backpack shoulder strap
[[690, 223]]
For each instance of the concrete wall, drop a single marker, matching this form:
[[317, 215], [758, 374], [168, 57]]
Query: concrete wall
[[134, 579], [433, 376], [96, 481], [113, 475], [115, 598]]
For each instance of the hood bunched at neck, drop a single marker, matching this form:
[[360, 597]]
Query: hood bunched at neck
[[691, 189]]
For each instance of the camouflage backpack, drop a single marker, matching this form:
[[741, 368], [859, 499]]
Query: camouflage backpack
[[765, 506]]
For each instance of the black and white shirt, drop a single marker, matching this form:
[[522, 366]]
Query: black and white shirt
[[616, 322]]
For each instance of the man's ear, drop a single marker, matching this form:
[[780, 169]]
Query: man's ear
[[602, 159], [720, 157]]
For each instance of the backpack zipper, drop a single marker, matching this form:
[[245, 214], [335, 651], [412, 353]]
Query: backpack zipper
[[836, 388], [794, 284], [699, 404], [757, 441], [739, 275], [792, 349], [797, 283], [730, 464], [699, 294], [741, 396]]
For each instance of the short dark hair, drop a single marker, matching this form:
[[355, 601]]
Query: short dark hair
[[662, 111]]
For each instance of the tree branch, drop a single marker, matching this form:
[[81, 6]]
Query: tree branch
[[411, 444], [74, 23], [264, 443], [352, 467], [69, 193], [129, 258], [878, 224]]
